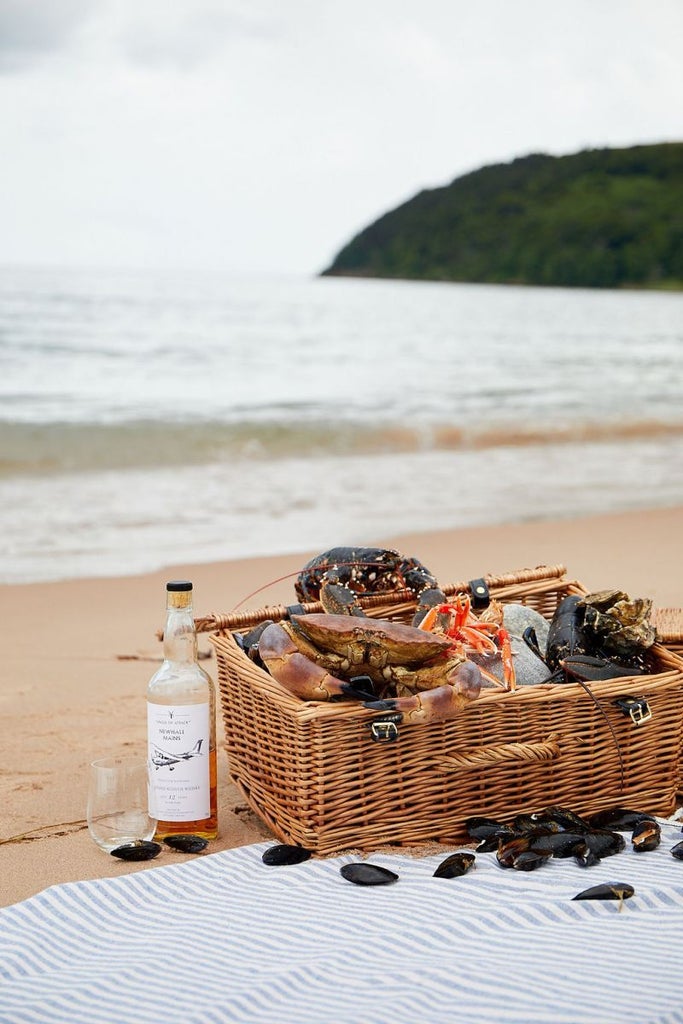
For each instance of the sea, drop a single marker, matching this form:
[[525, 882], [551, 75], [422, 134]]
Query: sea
[[152, 418]]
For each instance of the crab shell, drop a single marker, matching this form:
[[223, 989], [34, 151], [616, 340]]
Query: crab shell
[[375, 643], [313, 655], [400, 658]]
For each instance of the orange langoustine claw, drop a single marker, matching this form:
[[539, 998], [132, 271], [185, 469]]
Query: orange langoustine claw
[[483, 635]]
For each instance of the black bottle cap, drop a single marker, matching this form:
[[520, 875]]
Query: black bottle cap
[[178, 585]]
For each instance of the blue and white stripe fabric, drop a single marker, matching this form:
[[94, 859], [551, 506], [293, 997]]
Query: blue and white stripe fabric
[[225, 939]]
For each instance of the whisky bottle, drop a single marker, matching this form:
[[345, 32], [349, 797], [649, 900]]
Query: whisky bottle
[[181, 728]]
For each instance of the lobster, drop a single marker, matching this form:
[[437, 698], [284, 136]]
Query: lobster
[[572, 652], [368, 570], [574, 655]]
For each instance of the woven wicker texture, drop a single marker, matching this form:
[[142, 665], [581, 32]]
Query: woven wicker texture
[[669, 625], [312, 772]]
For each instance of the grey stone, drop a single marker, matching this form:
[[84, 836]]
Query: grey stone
[[529, 669], [517, 618]]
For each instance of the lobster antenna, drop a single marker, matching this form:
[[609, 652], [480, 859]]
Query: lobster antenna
[[270, 583], [288, 576]]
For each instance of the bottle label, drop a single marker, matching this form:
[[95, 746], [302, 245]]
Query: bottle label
[[178, 736]]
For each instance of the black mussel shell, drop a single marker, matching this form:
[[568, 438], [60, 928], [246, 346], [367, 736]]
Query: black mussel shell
[[367, 874], [604, 843], [510, 849], [606, 891], [503, 834], [520, 854], [559, 844], [585, 857], [566, 819], [529, 860], [525, 823], [646, 835], [677, 851], [187, 843], [455, 866], [275, 856], [544, 821], [141, 849], [618, 819], [480, 828]]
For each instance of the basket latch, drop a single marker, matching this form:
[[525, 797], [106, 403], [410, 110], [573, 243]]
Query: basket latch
[[636, 708], [385, 729]]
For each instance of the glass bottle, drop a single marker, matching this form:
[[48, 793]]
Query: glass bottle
[[181, 728]]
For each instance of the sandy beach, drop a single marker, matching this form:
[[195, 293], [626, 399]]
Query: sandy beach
[[78, 655]]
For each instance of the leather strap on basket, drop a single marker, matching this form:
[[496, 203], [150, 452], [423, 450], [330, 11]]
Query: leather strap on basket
[[481, 597], [487, 757]]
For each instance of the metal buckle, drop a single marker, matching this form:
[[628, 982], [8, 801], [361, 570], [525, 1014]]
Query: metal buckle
[[385, 729], [637, 709]]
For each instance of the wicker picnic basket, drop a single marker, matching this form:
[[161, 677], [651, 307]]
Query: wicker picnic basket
[[313, 774]]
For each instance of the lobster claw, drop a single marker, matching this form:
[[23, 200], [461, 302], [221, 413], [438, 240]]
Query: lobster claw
[[531, 640], [591, 669]]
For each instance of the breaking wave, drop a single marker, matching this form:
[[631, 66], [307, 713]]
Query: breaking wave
[[56, 448]]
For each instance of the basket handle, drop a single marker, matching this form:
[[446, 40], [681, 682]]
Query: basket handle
[[245, 620], [487, 757]]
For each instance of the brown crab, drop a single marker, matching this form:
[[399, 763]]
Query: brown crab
[[421, 674]]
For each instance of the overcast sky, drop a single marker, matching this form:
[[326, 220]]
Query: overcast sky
[[260, 135]]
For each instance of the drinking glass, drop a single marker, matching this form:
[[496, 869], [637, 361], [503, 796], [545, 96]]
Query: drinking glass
[[117, 802]]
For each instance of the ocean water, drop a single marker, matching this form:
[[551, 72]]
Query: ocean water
[[154, 418]]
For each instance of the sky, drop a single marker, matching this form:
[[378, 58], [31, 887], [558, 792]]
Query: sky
[[259, 136]]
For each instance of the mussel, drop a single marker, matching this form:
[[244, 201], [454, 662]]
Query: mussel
[[567, 819], [519, 853], [186, 843], [276, 856], [559, 844], [536, 822], [607, 891], [480, 828], [139, 849], [361, 873], [604, 842], [598, 844], [646, 835], [455, 866], [530, 860], [619, 819]]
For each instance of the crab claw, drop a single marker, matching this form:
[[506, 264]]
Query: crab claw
[[429, 706], [297, 673], [439, 704]]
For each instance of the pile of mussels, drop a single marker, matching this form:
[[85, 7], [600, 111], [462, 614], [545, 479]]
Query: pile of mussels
[[529, 840]]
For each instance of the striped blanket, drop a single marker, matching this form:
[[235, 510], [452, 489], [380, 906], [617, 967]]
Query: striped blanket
[[225, 939]]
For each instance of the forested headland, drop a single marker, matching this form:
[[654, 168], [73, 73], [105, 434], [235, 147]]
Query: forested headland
[[602, 218]]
